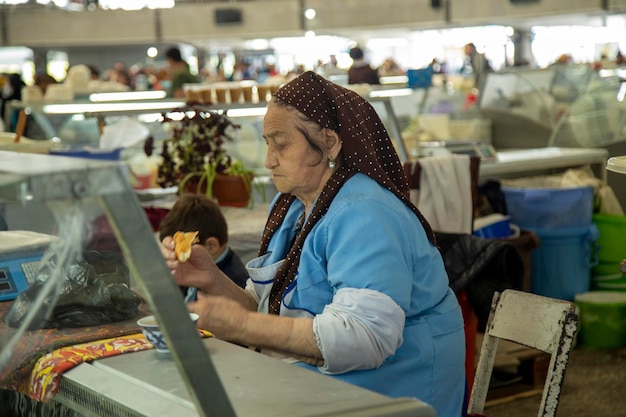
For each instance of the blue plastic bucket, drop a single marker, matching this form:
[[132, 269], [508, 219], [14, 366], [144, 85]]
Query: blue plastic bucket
[[546, 208], [561, 265]]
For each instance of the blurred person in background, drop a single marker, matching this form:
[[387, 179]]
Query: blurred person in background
[[11, 90], [43, 80], [180, 73], [389, 68], [331, 67], [361, 72], [95, 72], [476, 64]]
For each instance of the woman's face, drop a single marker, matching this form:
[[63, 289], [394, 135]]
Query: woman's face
[[296, 167]]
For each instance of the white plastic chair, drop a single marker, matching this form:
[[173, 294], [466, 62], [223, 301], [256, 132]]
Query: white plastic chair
[[534, 321]]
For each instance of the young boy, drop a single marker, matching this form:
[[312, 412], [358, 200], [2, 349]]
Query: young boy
[[196, 212]]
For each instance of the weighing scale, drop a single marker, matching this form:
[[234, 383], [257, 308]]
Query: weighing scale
[[20, 253]]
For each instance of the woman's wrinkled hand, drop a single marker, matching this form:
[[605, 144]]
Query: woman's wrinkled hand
[[222, 316], [198, 271]]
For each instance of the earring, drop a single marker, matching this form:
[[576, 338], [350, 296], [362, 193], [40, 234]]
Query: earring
[[331, 163]]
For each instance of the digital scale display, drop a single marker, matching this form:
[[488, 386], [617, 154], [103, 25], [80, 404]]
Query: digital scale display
[[17, 273], [20, 254]]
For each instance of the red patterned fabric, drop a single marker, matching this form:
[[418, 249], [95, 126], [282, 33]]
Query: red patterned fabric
[[38, 360], [45, 378], [15, 374]]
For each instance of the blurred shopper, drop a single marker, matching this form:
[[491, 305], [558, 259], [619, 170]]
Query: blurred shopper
[[477, 63], [43, 80], [331, 67], [11, 90], [180, 73], [389, 68], [94, 71], [361, 72]]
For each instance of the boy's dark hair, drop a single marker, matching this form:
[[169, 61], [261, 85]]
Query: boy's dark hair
[[173, 53], [356, 53], [195, 212]]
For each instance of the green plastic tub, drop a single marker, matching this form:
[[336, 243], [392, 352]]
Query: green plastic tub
[[602, 318], [612, 240]]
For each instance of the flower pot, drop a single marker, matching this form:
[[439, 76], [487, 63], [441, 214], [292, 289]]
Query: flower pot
[[232, 190]]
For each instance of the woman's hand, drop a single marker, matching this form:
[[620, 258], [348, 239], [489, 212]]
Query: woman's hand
[[222, 316], [198, 271]]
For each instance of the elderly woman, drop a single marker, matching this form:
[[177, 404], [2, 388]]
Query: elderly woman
[[348, 279]]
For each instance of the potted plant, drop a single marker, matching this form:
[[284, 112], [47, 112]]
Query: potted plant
[[194, 159]]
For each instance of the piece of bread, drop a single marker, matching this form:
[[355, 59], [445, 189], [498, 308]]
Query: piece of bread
[[183, 241]]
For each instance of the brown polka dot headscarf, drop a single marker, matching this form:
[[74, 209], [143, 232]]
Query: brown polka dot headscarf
[[366, 148]]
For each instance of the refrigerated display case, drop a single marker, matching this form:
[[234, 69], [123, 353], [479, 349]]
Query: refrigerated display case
[[525, 105], [80, 123], [562, 106]]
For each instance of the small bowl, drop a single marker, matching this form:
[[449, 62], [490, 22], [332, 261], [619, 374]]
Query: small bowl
[[152, 332]]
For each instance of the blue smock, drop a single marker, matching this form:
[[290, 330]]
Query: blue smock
[[384, 316]]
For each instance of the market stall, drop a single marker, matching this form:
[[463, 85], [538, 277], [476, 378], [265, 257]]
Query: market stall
[[61, 196]]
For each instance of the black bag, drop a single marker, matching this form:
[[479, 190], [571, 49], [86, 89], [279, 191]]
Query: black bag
[[96, 290], [480, 267]]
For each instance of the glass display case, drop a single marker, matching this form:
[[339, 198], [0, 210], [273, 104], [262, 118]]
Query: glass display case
[[83, 207], [80, 123], [57, 212], [526, 105], [597, 117]]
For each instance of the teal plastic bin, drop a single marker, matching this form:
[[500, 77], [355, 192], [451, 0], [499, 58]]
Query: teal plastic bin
[[561, 265]]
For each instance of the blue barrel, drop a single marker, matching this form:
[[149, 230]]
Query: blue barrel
[[545, 208], [561, 265]]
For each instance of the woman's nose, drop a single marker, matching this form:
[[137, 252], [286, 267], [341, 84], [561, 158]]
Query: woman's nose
[[270, 160]]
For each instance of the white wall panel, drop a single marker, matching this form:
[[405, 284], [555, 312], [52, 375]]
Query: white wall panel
[[259, 19], [50, 27], [367, 14]]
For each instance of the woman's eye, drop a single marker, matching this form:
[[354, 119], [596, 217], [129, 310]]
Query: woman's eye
[[280, 146]]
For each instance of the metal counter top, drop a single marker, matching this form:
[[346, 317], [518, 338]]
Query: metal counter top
[[516, 163], [147, 383]]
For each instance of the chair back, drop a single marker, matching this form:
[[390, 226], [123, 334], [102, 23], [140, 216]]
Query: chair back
[[534, 321]]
